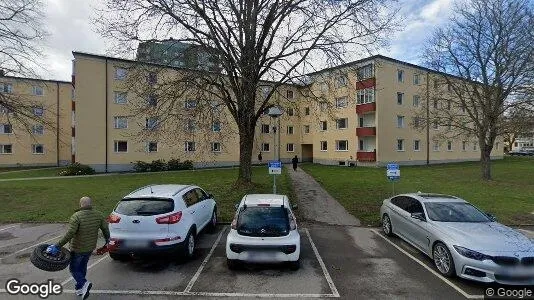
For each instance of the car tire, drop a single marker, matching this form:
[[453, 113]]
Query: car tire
[[294, 265], [233, 264], [212, 226], [189, 245], [443, 260], [386, 225], [118, 257], [45, 262]]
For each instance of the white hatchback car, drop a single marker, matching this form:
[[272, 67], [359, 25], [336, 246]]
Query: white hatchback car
[[264, 230], [160, 219]]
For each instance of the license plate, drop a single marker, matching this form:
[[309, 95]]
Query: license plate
[[136, 244]]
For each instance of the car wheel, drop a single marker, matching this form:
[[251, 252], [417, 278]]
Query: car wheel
[[118, 257], [386, 225], [294, 265], [189, 245], [443, 260], [40, 259], [233, 264], [212, 226]]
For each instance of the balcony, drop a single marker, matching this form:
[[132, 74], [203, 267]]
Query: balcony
[[365, 131], [366, 83], [366, 156], [365, 108]]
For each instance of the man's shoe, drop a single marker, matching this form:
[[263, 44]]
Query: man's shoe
[[86, 288], [79, 292]]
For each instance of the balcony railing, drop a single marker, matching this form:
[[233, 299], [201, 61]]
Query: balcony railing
[[365, 107], [365, 131], [366, 156]]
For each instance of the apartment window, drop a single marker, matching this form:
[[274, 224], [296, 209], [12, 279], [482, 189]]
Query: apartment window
[[435, 125], [190, 125], [38, 129], [435, 146], [121, 97], [306, 128], [290, 147], [365, 96], [152, 78], [323, 87], [190, 104], [120, 146], [152, 147], [5, 109], [215, 147], [342, 145], [436, 102], [6, 149], [152, 123], [290, 130], [416, 145], [416, 122], [120, 122], [342, 80], [289, 94], [265, 128], [341, 102], [216, 126], [400, 98], [120, 73], [449, 104], [464, 146], [266, 90], [6, 88], [323, 125], [449, 146], [400, 145], [323, 105], [361, 145], [307, 111], [290, 111], [342, 123], [416, 79], [449, 125], [265, 147], [190, 146], [324, 146], [365, 72], [400, 121], [37, 149], [37, 90], [475, 146], [6, 128], [416, 100], [400, 75], [38, 111]]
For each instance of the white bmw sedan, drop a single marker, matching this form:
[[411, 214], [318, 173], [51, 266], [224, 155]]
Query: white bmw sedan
[[461, 239], [264, 230]]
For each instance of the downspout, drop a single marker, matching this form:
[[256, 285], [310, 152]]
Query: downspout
[[427, 119], [57, 123], [106, 122]]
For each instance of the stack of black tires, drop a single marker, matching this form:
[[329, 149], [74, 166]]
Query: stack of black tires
[[47, 262]]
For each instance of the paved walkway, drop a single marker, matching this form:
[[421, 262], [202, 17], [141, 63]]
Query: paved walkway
[[316, 204]]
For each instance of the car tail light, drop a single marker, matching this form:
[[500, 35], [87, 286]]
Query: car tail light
[[290, 249], [170, 219], [113, 219], [160, 242], [236, 248]]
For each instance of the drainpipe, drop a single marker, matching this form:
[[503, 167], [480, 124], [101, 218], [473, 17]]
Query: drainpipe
[[57, 123], [427, 118], [106, 122]]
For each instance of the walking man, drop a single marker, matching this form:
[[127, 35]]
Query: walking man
[[83, 235], [295, 162], [260, 157]]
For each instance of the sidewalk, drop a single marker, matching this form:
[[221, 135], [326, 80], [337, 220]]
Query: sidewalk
[[316, 204]]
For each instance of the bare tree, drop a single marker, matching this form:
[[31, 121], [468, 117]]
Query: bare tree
[[260, 45], [518, 122], [488, 46]]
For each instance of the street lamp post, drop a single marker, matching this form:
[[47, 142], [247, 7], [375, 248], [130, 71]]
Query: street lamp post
[[275, 112]]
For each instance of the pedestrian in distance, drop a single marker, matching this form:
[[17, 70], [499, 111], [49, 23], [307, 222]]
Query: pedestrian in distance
[[260, 157], [82, 234], [295, 162]]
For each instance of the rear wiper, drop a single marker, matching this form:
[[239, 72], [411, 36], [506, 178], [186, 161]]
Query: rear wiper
[[147, 213]]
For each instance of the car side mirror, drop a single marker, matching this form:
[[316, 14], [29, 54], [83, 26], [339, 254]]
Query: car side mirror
[[236, 206], [419, 216], [210, 196], [491, 217], [294, 207]]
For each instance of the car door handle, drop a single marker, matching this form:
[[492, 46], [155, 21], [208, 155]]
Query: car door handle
[[192, 212]]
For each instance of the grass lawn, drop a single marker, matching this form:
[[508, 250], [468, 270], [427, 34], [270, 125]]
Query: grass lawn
[[54, 200], [29, 173], [510, 196]]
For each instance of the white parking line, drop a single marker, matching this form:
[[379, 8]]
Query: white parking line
[[451, 284], [527, 231], [197, 274], [335, 293], [29, 247], [200, 294], [6, 228], [88, 268]]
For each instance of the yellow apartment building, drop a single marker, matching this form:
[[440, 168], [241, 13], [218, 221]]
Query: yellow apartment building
[[43, 138]]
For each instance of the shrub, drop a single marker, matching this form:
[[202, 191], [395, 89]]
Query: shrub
[[141, 166], [187, 165], [175, 164], [158, 165], [77, 169]]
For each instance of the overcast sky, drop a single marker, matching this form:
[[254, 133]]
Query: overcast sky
[[69, 24]]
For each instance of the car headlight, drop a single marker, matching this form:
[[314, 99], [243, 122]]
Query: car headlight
[[471, 254]]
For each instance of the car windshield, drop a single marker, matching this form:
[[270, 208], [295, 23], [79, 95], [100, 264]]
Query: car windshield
[[263, 221], [144, 207], [454, 212]]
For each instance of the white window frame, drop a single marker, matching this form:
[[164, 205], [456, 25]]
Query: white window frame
[[341, 102], [117, 121], [403, 148], [400, 75], [290, 130], [306, 129], [152, 100], [464, 146], [346, 121], [216, 149], [152, 123], [416, 100], [193, 147], [35, 90], [342, 80], [290, 94], [341, 150], [36, 109], [292, 147], [38, 129], [3, 128], [116, 146], [435, 125], [120, 73], [365, 96], [325, 127], [263, 149], [263, 126], [118, 99], [435, 146], [400, 121], [418, 143], [401, 98], [3, 149], [7, 88], [416, 79], [290, 111], [449, 146], [34, 149], [325, 144], [365, 72], [148, 146], [190, 104], [475, 146], [213, 129]]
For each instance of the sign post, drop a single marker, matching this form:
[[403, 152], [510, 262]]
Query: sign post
[[275, 168], [393, 174]]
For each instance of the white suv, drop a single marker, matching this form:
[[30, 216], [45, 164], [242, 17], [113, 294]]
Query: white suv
[[160, 219], [264, 230]]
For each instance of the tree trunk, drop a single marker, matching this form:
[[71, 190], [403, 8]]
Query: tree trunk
[[246, 145], [485, 162]]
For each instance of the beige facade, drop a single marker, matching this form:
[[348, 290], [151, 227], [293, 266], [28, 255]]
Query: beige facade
[[44, 137]]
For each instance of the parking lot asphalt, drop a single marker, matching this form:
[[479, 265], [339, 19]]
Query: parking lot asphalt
[[337, 261]]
